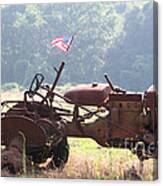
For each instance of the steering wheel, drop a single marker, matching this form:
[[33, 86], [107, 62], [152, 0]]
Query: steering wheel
[[36, 83], [31, 94]]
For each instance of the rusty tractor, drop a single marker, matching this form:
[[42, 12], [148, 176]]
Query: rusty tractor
[[37, 129]]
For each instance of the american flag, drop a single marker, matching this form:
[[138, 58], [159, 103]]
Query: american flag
[[62, 42]]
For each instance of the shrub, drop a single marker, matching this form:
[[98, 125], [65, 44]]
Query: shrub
[[11, 86]]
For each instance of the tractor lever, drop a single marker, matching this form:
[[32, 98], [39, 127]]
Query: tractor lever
[[109, 82], [111, 85], [50, 93], [59, 71]]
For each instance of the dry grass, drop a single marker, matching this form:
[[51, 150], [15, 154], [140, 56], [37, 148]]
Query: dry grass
[[89, 161], [14, 95]]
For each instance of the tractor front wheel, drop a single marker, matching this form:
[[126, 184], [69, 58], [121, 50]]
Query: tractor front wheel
[[61, 153]]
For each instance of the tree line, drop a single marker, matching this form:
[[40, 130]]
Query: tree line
[[111, 37]]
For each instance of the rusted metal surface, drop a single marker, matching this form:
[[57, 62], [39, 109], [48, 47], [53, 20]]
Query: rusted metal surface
[[150, 97], [125, 97], [151, 102], [11, 125], [40, 123], [127, 119], [12, 157], [94, 95], [97, 130]]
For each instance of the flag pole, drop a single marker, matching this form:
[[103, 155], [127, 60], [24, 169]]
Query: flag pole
[[66, 53]]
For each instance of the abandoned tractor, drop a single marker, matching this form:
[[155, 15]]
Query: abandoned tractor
[[111, 116]]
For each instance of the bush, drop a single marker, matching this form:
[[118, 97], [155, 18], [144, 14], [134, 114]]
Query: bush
[[11, 86]]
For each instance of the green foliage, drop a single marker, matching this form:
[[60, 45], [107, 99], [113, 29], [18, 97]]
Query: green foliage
[[111, 37], [10, 86]]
